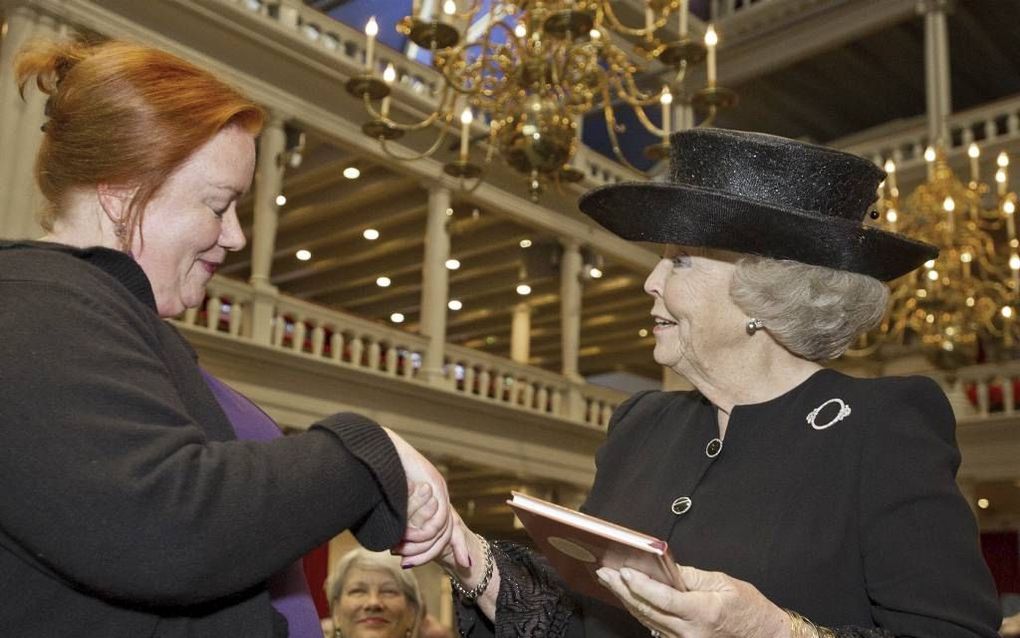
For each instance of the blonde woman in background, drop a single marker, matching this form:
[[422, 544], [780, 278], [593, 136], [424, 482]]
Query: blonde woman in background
[[371, 596]]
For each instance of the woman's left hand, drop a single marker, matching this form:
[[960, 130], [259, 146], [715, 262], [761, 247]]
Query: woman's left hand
[[714, 605]]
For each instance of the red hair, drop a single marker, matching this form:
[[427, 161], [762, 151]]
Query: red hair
[[123, 114]]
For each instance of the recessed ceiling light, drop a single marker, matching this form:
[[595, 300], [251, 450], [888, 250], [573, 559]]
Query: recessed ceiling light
[[303, 255], [454, 304], [352, 172], [281, 200], [452, 264], [595, 273], [642, 332], [383, 282], [525, 243], [983, 503], [523, 289], [370, 234], [397, 317]]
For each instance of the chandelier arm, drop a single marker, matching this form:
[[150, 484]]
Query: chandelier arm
[[614, 140], [617, 25], [417, 126], [443, 132], [632, 93], [647, 123], [710, 118]]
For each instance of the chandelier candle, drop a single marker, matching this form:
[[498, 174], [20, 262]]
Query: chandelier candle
[[667, 107], [371, 30], [465, 132], [711, 40], [683, 18], [974, 153]]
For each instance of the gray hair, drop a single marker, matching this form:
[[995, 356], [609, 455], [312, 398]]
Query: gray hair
[[812, 311], [378, 561]]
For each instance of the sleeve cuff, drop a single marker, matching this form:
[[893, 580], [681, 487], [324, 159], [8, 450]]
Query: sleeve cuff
[[384, 526]]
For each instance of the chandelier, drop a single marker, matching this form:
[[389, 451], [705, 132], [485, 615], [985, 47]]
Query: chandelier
[[531, 69], [966, 300]]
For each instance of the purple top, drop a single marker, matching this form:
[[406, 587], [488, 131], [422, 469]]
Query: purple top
[[288, 590]]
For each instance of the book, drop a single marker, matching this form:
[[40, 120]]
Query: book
[[577, 544]]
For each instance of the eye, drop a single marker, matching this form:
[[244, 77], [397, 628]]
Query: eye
[[682, 260]]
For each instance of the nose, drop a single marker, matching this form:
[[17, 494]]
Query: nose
[[653, 283], [373, 601], [231, 233]]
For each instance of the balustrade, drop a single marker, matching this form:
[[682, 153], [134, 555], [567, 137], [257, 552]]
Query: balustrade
[[305, 329]]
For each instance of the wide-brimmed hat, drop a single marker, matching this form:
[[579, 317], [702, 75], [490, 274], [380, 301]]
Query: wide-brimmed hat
[[761, 195]]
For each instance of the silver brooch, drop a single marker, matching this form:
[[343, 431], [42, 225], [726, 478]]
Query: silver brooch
[[844, 412]]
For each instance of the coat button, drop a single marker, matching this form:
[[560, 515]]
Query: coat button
[[681, 505], [713, 448]]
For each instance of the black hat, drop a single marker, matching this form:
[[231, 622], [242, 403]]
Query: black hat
[[761, 195]]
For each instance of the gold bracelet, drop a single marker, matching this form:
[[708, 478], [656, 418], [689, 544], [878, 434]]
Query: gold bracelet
[[801, 627]]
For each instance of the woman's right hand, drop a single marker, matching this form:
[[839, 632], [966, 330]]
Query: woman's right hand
[[436, 526]]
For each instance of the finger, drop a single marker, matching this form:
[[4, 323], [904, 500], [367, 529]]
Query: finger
[[642, 610], [431, 552], [423, 541], [419, 518], [660, 596]]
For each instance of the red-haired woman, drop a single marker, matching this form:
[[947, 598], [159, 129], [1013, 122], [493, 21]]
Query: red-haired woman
[[141, 496]]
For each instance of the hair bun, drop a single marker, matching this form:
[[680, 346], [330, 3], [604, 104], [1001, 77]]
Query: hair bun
[[49, 62]]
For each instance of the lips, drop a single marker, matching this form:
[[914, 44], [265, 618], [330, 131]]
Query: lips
[[210, 266], [373, 621], [662, 322]]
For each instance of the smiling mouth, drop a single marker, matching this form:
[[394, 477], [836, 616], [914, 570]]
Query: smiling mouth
[[661, 323]]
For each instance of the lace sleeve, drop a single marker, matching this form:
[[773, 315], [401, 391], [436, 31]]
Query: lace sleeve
[[532, 601]]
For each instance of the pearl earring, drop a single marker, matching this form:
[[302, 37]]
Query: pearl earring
[[754, 325]]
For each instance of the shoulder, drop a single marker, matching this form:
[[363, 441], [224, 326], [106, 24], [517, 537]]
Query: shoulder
[[898, 407], [641, 406], [67, 275]]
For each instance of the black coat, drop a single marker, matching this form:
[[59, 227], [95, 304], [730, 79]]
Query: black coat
[[856, 525], [860, 523]]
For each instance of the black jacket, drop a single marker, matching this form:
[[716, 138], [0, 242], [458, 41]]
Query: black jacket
[[858, 525], [127, 507]]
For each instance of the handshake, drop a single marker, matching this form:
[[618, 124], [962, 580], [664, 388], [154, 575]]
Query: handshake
[[436, 532]]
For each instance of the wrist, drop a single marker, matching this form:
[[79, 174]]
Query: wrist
[[471, 582]]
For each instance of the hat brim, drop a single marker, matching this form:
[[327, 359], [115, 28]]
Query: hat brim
[[690, 216]]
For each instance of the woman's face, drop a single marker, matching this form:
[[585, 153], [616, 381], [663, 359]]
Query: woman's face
[[191, 223], [695, 319], [372, 605]]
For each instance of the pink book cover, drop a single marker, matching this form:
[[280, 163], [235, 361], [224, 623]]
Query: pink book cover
[[577, 544]]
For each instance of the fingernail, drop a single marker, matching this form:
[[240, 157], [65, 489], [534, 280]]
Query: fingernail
[[626, 574]]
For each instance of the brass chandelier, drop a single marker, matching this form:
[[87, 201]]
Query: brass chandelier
[[967, 298], [531, 69]]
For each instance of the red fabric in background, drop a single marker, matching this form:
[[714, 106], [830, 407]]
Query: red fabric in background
[[1002, 553], [316, 564]]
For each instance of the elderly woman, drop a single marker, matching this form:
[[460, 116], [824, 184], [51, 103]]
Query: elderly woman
[[129, 505], [800, 502], [371, 596]]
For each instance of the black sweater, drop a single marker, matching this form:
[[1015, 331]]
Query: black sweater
[[127, 507]]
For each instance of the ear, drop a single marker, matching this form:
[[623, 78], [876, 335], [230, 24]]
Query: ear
[[115, 201]]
